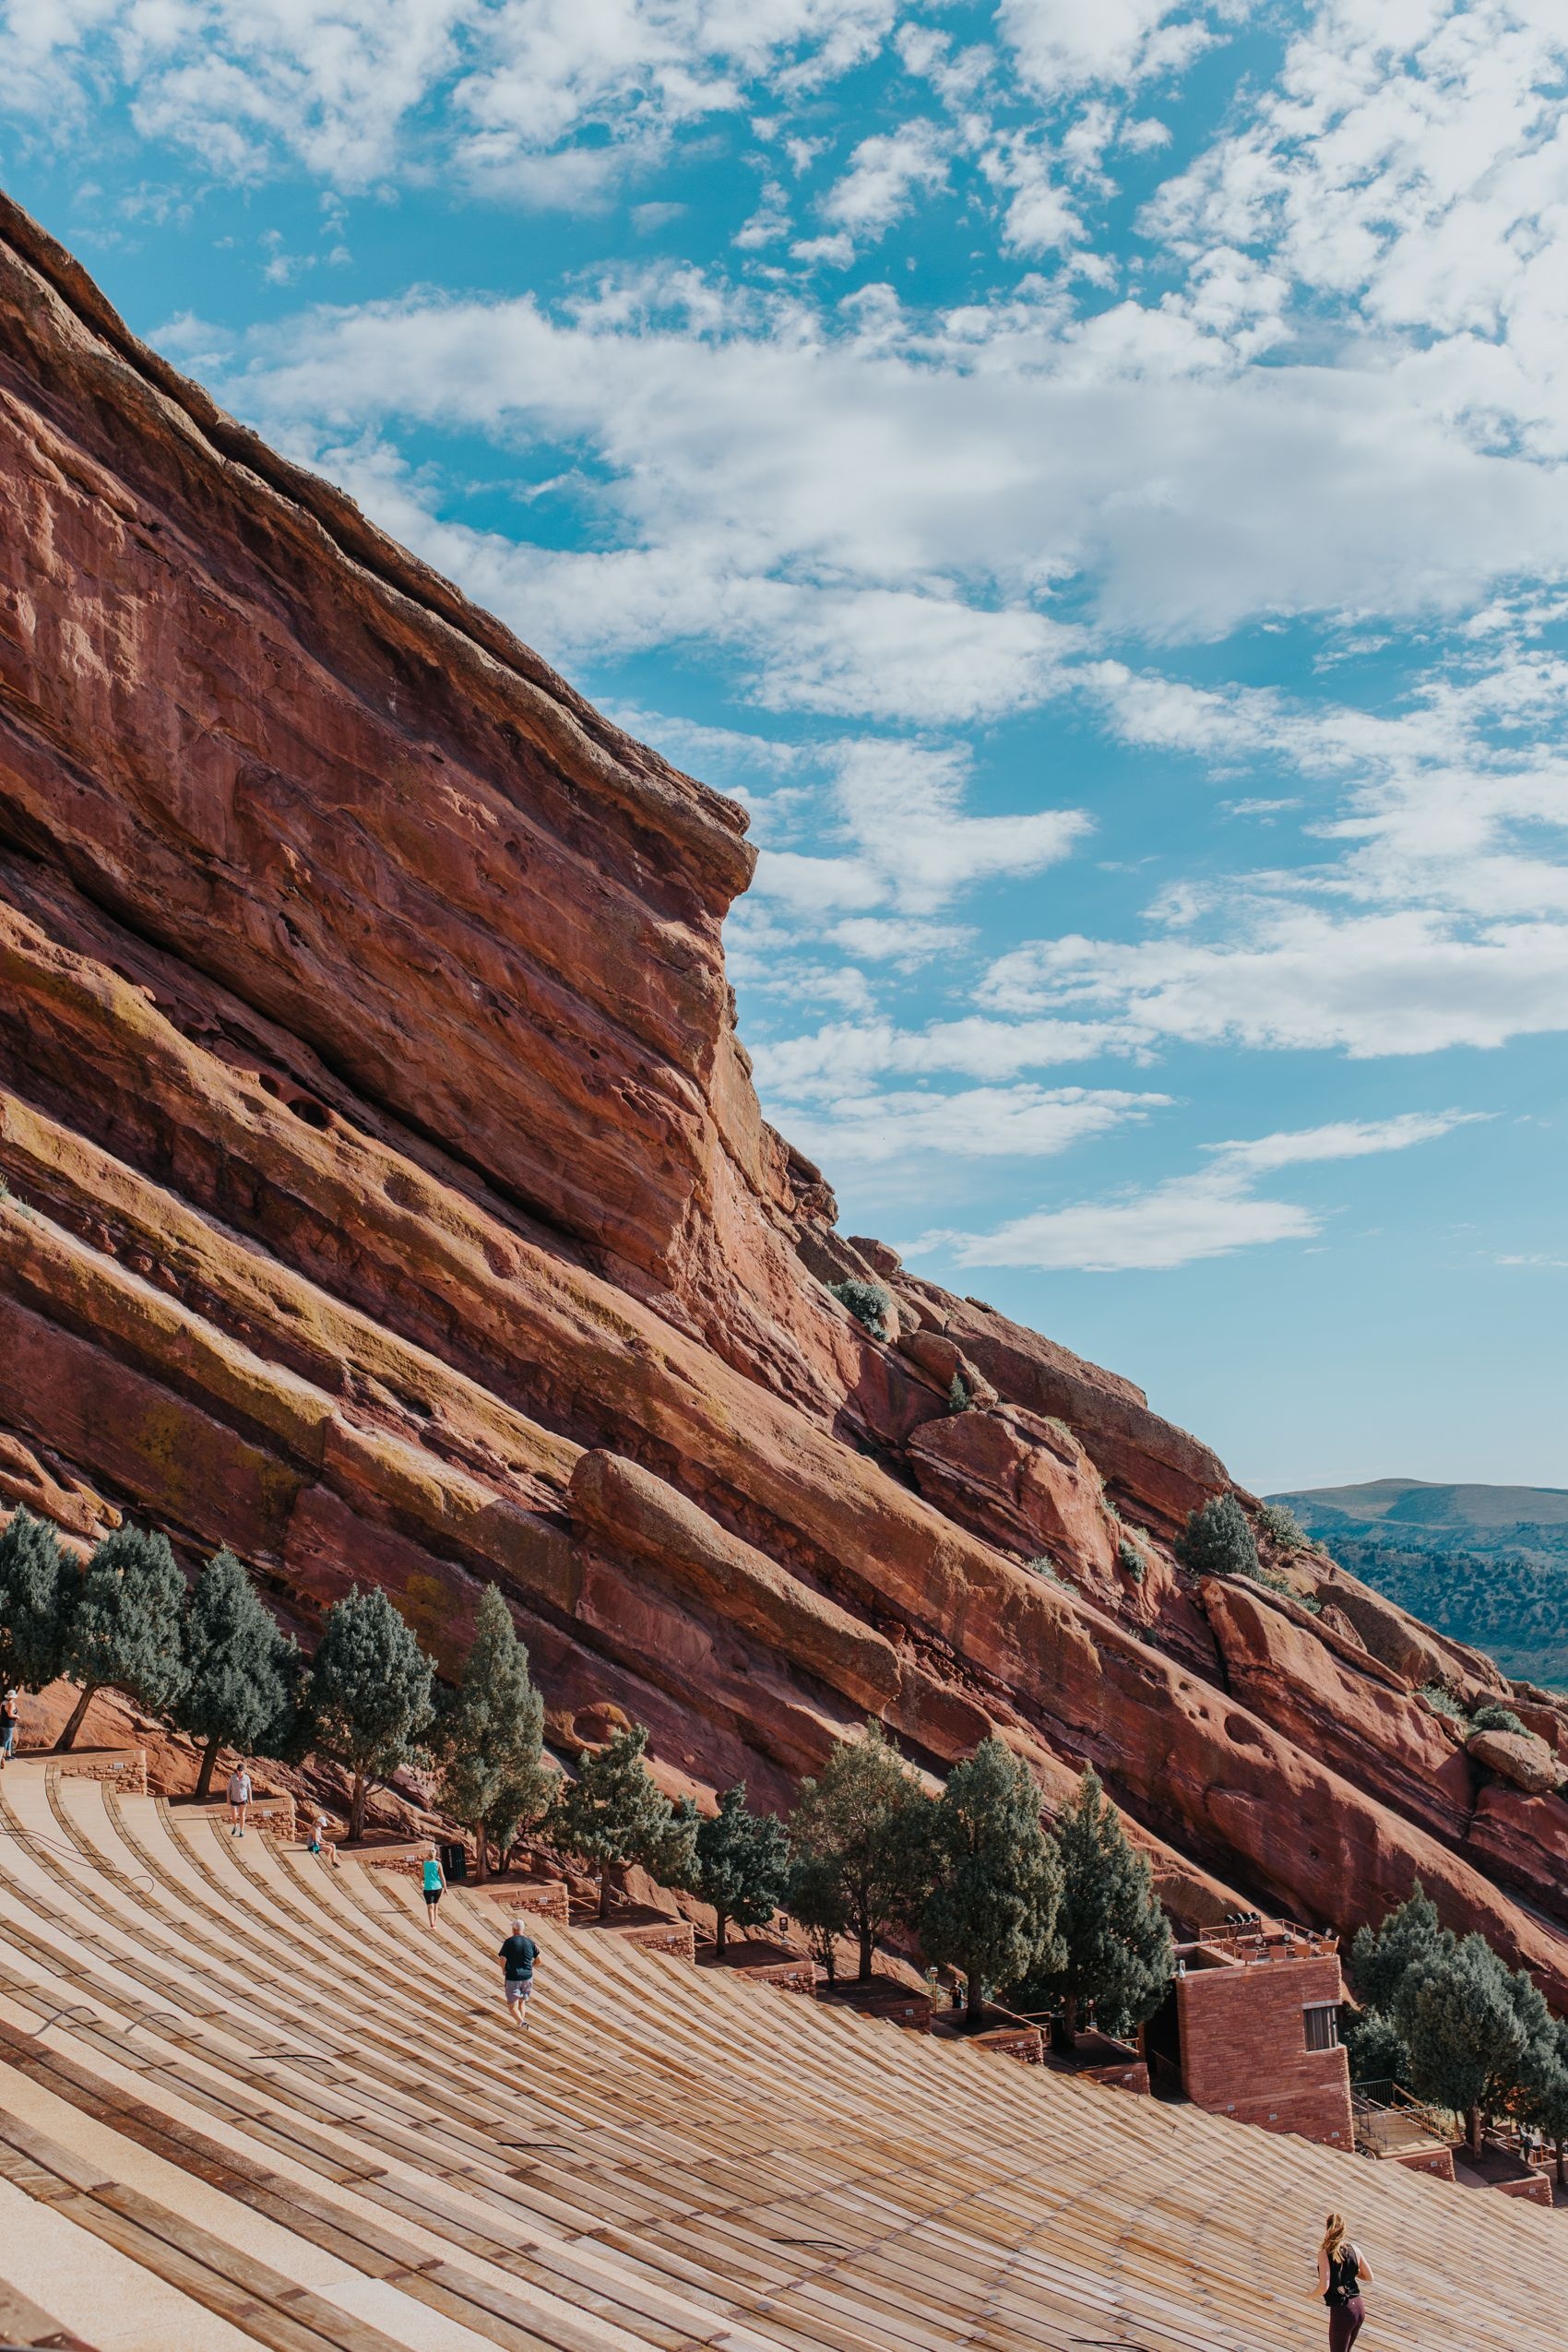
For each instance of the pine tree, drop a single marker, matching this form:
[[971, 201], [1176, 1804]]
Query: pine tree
[[862, 1823], [1466, 2029], [614, 1814], [125, 1630], [370, 1693], [1544, 2095], [490, 1737], [1380, 1958], [1375, 2046], [1216, 1540], [242, 1670], [992, 1910], [815, 1896], [742, 1865], [39, 1585], [1118, 1951]]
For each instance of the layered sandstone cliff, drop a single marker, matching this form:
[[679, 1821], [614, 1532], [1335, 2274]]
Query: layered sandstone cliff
[[388, 1199]]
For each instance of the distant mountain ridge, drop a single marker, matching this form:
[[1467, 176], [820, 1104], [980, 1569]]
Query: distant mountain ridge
[[1422, 1503], [1486, 1565]]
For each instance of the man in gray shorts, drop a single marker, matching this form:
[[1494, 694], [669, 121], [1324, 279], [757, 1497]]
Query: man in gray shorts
[[517, 1957]]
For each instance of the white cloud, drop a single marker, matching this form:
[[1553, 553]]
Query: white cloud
[[1210, 1214], [1060, 45], [894, 503], [847, 1054], [874, 1128], [551, 100], [887, 171], [1302, 976], [329, 84]]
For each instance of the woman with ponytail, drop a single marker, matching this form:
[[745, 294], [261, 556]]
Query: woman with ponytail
[[1340, 2270]]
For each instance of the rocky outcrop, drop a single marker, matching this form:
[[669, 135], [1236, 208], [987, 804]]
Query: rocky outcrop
[[1517, 1757], [387, 1198]]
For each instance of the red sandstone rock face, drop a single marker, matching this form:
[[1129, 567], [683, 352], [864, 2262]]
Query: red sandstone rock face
[[390, 1200]]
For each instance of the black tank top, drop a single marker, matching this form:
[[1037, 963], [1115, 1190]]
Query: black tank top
[[1343, 2282]]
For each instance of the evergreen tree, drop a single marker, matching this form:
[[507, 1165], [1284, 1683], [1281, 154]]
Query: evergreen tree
[[242, 1670], [490, 1737], [815, 1896], [1380, 1958], [1216, 1540], [742, 1865], [1117, 1947], [992, 1909], [863, 1824], [1468, 2031], [370, 1693], [1544, 2102], [125, 1628], [39, 1583], [614, 1814], [1375, 2046]]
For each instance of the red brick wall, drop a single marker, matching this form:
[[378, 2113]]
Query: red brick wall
[[1536, 2192], [1245, 2046]]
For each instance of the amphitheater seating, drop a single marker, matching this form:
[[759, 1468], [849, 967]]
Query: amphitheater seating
[[244, 2099]]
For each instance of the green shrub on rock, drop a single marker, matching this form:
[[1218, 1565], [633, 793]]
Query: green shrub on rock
[[1279, 1523], [1494, 1716], [1216, 1540], [1441, 1700], [869, 1303]]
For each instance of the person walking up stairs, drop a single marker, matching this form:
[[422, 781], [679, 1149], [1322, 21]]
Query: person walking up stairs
[[1340, 2270], [518, 1957]]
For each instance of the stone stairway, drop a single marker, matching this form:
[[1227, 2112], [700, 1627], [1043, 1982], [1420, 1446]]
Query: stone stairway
[[245, 2100]]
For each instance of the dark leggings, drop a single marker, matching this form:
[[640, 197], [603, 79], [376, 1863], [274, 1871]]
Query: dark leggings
[[1345, 2323]]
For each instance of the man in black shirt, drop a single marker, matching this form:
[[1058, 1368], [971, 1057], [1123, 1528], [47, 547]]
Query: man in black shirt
[[517, 1957]]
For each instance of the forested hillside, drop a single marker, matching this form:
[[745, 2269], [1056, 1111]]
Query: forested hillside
[[1487, 1565]]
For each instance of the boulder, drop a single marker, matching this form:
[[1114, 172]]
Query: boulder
[[1333, 1620], [1517, 1757], [1019, 1480], [1403, 1642], [942, 1362]]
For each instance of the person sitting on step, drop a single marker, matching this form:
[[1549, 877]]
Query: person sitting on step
[[317, 1841]]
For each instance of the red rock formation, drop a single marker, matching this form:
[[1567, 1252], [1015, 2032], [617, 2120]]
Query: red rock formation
[[389, 1199]]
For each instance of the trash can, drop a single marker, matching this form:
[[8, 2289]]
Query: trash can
[[455, 1863]]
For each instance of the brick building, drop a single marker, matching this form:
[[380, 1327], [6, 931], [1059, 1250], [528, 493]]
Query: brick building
[[1251, 2029]]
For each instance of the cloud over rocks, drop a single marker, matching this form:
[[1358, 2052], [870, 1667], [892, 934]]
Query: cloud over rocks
[[1210, 1213]]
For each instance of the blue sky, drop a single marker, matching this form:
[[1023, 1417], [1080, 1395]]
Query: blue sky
[[1090, 475]]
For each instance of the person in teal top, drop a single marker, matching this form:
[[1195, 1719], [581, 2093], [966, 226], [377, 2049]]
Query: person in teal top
[[434, 1884]]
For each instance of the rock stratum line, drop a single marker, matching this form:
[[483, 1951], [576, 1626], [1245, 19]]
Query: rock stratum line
[[389, 1199]]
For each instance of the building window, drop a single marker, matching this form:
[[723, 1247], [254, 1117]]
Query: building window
[[1322, 2025]]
